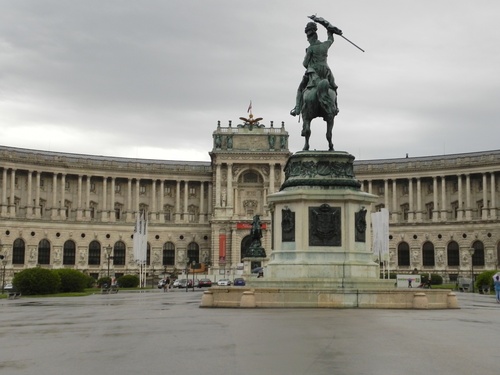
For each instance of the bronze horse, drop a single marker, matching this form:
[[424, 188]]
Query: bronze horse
[[318, 100]]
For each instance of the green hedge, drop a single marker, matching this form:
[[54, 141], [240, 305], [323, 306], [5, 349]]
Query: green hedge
[[72, 280], [103, 280], [485, 278], [37, 281], [435, 278], [128, 281]]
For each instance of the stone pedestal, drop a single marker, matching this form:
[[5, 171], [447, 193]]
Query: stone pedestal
[[321, 220], [321, 254]]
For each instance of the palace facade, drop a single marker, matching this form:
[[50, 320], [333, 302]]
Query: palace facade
[[61, 210]]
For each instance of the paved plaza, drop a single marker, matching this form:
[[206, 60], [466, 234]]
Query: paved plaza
[[167, 333]]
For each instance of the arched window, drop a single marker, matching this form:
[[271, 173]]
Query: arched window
[[428, 254], [193, 252], [478, 257], [69, 252], [168, 254], [18, 251], [94, 253], [453, 253], [44, 252], [404, 254], [119, 254]]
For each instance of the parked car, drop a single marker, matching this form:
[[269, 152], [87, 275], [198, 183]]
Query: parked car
[[224, 282], [205, 283], [161, 284], [190, 283], [183, 283], [8, 287], [239, 281], [176, 283]]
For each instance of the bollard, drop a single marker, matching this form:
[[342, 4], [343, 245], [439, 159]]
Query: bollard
[[207, 300], [248, 299], [452, 301], [420, 301]]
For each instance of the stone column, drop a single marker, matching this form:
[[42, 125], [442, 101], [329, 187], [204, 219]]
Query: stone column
[[217, 186], [79, 199], [419, 200], [411, 206], [54, 196], [38, 211], [112, 215], [104, 211], [234, 250], [202, 202], [229, 185], [178, 201], [460, 213], [484, 213], [130, 216], [154, 214], [444, 204], [12, 205], [88, 215], [395, 208], [386, 194], [162, 201], [4, 192], [468, 208], [29, 203], [271, 178], [137, 199], [62, 206], [186, 195], [210, 207], [435, 210], [236, 202], [493, 208]]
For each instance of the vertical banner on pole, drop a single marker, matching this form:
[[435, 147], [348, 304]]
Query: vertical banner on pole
[[380, 237]]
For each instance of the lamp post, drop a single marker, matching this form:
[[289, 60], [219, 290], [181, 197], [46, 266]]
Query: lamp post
[[471, 251], [4, 263], [153, 277], [187, 275], [108, 253], [192, 265]]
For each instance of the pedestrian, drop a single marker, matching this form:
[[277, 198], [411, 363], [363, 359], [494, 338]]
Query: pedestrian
[[166, 285], [496, 281], [409, 282]]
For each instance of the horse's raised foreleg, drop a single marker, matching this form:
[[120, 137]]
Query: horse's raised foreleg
[[329, 128], [306, 133]]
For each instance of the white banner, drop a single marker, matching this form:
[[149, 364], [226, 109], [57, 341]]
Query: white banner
[[380, 233], [141, 237]]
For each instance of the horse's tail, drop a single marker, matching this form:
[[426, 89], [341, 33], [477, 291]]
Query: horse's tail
[[326, 102]]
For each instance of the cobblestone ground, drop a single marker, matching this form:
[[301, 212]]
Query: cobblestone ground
[[167, 333]]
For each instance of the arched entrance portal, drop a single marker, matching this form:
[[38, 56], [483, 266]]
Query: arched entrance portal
[[245, 245]]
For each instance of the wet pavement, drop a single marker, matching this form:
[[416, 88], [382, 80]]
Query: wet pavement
[[167, 333]]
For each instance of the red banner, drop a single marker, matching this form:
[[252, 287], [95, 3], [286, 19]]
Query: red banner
[[222, 248], [249, 226]]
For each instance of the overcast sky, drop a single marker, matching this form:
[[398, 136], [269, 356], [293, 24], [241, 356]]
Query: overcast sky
[[150, 79]]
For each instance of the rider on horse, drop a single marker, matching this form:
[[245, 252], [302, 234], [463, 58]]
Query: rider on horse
[[316, 58]]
